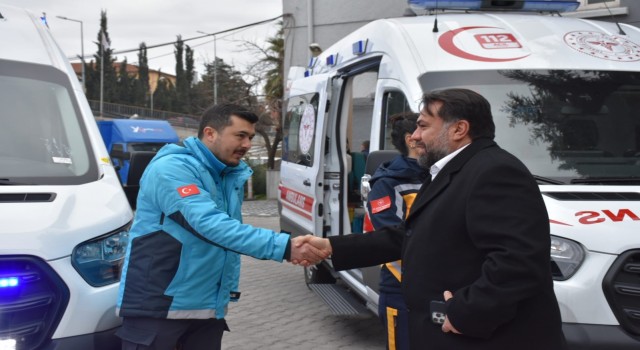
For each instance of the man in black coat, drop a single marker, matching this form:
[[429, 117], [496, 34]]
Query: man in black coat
[[477, 237]]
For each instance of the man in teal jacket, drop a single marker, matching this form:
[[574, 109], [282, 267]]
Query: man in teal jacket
[[183, 262]]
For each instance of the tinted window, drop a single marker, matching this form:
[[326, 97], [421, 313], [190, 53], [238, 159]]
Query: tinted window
[[394, 104]]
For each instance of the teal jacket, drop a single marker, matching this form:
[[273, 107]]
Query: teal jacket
[[183, 260]]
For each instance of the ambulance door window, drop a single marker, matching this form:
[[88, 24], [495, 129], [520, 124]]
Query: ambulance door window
[[354, 134], [298, 141], [358, 110], [394, 105]]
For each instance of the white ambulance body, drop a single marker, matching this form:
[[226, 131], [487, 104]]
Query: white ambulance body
[[565, 95], [63, 213]]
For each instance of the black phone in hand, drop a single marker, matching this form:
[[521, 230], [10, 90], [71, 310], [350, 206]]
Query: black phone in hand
[[438, 311]]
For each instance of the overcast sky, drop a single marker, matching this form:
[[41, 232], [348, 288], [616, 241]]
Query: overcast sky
[[130, 22]]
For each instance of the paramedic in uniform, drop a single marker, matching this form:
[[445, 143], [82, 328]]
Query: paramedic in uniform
[[477, 237], [394, 186], [182, 264]]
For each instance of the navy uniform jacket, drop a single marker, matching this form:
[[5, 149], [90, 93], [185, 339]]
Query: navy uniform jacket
[[480, 230], [394, 186]]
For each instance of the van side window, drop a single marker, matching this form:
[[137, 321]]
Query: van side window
[[298, 140], [393, 103]]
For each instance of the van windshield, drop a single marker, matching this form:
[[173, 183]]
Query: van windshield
[[571, 126], [42, 136]]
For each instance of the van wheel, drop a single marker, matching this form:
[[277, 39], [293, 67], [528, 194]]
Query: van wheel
[[318, 274]]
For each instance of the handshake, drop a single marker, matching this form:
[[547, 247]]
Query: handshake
[[309, 250]]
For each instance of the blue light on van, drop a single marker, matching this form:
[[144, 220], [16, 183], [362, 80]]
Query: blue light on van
[[8, 282], [533, 6], [43, 19], [551, 6], [312, 62], [359, 47], [332, 60]]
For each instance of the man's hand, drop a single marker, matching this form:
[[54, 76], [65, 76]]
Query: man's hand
[[309, 250], [447, 326]]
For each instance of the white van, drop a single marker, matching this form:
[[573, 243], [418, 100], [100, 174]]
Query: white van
[[565, 95], [63, 213]]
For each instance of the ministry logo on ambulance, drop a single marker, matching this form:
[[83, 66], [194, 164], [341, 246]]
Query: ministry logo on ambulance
[[600, 45]]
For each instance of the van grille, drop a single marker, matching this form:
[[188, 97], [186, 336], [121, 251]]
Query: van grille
[[30, 311], [621, 287]]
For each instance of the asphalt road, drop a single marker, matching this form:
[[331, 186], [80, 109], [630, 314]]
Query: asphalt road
[[278, 311]]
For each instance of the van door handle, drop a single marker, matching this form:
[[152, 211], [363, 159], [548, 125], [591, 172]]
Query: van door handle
[[306, 182]]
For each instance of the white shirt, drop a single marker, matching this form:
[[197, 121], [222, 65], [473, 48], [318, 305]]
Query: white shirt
[[435, 169]]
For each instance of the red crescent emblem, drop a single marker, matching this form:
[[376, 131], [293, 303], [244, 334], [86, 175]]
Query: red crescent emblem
[[446, 43]]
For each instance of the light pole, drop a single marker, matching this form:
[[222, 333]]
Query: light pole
[[84, 86], [215, 69]]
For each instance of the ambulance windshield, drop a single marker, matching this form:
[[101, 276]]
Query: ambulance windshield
[[43, 138], [571, 126]]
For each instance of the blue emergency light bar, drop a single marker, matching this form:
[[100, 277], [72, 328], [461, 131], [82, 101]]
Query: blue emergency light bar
[[332, 60], [7, 282], [312, 62], [502, 5], [359, 47]]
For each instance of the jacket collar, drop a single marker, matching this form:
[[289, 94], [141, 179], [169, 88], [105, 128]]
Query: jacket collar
[[200, 151], [429, 191]]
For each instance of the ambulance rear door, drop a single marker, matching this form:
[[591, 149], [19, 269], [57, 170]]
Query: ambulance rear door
[[301, 173]]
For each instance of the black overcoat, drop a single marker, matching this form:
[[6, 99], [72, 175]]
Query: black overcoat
[[481, 231]]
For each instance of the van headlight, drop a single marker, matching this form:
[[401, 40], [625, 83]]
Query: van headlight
[[99, 261], [566, 258]]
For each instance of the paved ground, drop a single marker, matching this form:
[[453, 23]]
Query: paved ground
[[278, 311], [260, 208]]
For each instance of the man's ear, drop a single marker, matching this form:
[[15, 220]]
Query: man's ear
[[460, 130], [209, 133]]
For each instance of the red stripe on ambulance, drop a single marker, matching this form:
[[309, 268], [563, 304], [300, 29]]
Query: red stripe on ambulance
[[297, 202]]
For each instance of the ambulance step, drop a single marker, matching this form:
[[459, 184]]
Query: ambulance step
[[339, 300]]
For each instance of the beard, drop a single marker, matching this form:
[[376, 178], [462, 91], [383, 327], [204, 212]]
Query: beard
[[435, 151], [431, 157]]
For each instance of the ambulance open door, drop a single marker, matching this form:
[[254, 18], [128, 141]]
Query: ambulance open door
[[301, 181]]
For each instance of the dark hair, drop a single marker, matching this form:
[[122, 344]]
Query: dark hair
[[219, 116], [402, 124], [463, 104]]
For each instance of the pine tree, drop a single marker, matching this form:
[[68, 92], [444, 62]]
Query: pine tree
[[141, 88], [182, 86], [105, 52], [92, 70], [190, 76], [164, 95]]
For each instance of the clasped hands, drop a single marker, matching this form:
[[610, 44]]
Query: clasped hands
[[309, 250]]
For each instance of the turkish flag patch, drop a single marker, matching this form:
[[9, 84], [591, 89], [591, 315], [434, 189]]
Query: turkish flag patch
[[188, 190], [378, 205]]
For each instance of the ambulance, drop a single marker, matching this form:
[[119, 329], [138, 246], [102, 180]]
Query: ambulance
[[565, 96], [64, 216]]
